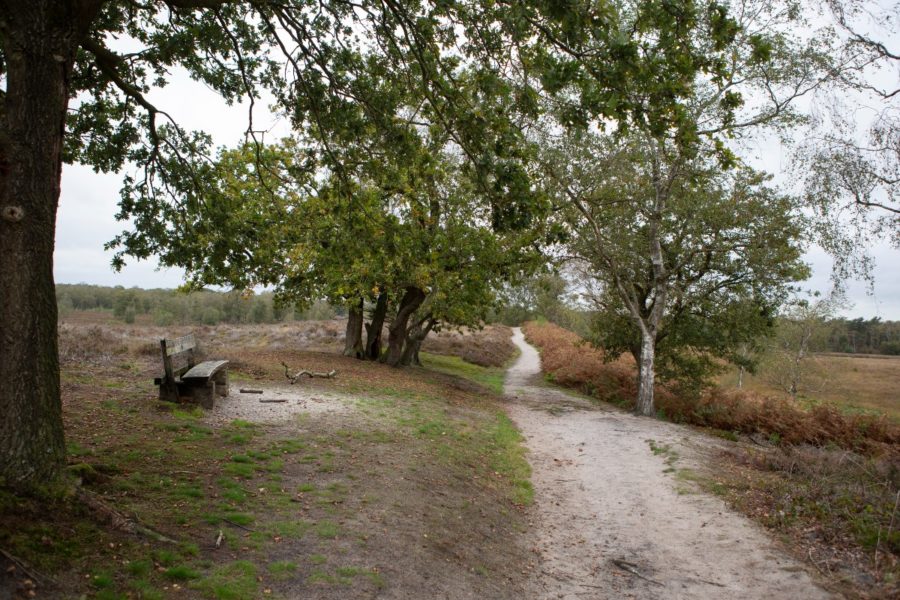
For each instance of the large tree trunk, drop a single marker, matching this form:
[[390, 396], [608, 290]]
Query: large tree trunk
[[353, 344], [410, 303], [646, 375], [39, 40], [375, 327], [415, 337]]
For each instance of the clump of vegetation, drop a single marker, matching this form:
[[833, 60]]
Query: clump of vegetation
[[488, 347]]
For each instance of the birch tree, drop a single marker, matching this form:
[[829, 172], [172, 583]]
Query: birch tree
[[676, 242]]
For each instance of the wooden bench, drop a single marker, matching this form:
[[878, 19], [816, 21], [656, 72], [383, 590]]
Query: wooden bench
[[183, 377]]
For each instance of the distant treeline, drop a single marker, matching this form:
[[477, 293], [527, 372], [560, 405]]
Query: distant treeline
[[860, 336], [168, 307]]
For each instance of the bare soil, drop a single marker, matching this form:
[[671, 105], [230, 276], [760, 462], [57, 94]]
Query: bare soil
[[617, 513]]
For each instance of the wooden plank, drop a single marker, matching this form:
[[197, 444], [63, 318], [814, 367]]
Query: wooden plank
[[179, 345], [204, 370]]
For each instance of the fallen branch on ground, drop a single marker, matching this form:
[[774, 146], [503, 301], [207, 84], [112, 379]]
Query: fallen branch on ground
[[238, 525], [293, 378], [245, 391], [632, 568], [273, 400], [219, 539], [24, 567]]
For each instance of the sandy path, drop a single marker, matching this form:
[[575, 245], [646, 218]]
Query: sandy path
[[601, 495]]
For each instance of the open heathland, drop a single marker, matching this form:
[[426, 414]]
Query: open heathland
[[862, 383], [387, 482]]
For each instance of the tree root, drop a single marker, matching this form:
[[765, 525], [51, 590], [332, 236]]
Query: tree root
[[117, 520], [293, 378], [28, 570]]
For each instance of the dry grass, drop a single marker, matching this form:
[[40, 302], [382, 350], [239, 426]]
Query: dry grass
[[571, 362], [863, 383]]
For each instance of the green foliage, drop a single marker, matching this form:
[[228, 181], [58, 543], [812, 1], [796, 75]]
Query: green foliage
[[728, 249]]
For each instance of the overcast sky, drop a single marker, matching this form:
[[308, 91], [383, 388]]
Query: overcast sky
[[88, 204]]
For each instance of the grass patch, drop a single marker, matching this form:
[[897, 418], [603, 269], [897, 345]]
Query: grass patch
[[231, 581], [282, 569], [327, 530], [242, 470], [508, 459], [180, 573], [490, 377]]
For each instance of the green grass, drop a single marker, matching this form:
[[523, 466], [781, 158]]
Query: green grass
[[180, 573], [489, 377], [282, 569], [327, 530], [231, 581], [508, 459]]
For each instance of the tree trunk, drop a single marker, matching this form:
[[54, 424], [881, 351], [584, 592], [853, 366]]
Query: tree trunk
[[410, 303], [39, 40], [375, 327], [353, 344], [646, 375], [415, 337]]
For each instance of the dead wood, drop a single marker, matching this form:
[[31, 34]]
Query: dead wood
[[117, 520], [238, 525], [219, 539], [246, 391], [25, 568], [293, 378], [273, 400], [632, 568]]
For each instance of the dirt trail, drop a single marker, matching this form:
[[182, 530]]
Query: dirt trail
[[610, 522]]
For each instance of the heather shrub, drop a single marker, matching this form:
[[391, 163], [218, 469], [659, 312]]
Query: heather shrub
[[488, 347]]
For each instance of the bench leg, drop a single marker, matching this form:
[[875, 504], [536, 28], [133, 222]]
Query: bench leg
[[168, 392], [221, 381], [206, 395]]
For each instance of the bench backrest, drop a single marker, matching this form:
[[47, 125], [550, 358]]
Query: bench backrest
[[178, 355]]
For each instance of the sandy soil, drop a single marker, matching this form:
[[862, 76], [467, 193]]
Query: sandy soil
[[613, 519], [277, 403]]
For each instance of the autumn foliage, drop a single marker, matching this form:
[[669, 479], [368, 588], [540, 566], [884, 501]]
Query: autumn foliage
[[570, 361]]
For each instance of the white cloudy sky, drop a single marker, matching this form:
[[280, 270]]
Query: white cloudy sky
[[88, 204]]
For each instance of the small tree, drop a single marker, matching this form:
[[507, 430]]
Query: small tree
[[792, 365]]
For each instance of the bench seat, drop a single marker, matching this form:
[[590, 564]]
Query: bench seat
[[204, 370]]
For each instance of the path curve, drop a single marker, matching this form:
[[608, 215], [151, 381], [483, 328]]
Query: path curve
[[605, 507]]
